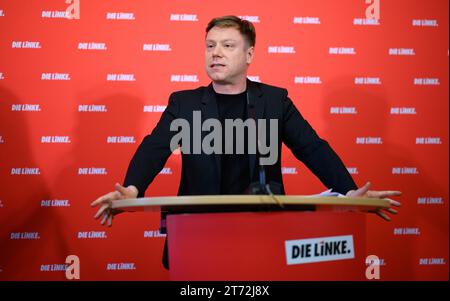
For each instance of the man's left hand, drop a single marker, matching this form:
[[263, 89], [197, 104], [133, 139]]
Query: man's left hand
[[366, 193]]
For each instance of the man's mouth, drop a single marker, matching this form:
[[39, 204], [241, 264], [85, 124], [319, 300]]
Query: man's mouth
[[217, 65]]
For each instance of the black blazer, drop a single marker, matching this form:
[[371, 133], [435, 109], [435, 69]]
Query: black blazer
[[200, 173]]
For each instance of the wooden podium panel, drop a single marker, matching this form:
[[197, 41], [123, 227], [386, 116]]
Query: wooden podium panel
[[252, 246]]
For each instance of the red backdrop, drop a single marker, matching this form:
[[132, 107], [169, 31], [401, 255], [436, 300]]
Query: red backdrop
[[71, 90]]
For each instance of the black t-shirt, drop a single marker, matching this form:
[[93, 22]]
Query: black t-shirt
[[235, 177]]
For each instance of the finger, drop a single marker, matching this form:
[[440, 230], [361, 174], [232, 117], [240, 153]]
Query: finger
[[101, 199], [394, 192], [391, 210], [362, 191], [109, 196], [101, 210], [383, 216], [384, 194], [121, 189], [394, 203], [110, 217], [105, 216]]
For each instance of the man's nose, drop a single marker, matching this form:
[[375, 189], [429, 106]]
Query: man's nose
[[217, 51]]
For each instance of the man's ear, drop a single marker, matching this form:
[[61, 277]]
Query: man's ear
[[250, 53]]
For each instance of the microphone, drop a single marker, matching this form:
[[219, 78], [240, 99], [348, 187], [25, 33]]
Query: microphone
[[262, 187]]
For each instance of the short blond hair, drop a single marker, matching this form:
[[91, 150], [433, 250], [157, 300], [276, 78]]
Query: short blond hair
[[245, 27]]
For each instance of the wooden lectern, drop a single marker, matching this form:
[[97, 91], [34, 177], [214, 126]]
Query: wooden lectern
[[262, 237]]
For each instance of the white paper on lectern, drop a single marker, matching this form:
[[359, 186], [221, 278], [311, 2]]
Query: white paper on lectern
[[328, 193]]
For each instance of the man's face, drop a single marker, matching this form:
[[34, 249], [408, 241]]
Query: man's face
[[227, 55]]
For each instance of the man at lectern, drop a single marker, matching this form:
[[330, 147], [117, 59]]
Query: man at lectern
[[195, 118]]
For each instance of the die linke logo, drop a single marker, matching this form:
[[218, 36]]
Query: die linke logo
[[55, 76], [120, 16], [369, 140], [342, 51], [92, 108], [375, 261], [92, 235], [343, 110], [307, 80], [319, 249], [426, 81], [432, 261], [281, 49], [32, 171], [25, 235], [26, 44], [92, 171], [166, 171], [120, 77], [401, 51], [153, 233], [120, 266], [425, 23], [252, 19], [55, 203], [353, 170], [405, 171], [157, 47], [2, 14], [428, 140], [367, 81], [154, 108], [53, 267], [183, 17], [289, 171], [55, 139], [366, 22], [430, 201], [25, 108], [403, 111], [92, 46], [183, 78], [54, 14], [1, 76], [254, 78], [306, 20], [1, 139], [406, 231], [71, 267], [120, 139]]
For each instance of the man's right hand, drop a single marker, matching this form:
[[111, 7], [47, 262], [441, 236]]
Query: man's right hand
[[105, 201]]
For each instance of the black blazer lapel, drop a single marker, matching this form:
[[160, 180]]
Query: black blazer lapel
[[255, 109], [210, 110]]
